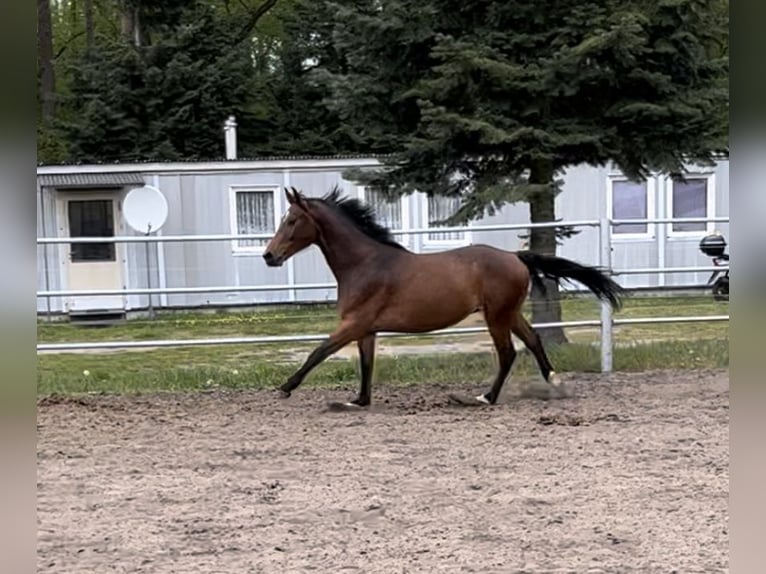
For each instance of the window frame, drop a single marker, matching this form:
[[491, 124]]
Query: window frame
[[236, 248], [404, 206], [710, 205], [651, 190], [443, 243]]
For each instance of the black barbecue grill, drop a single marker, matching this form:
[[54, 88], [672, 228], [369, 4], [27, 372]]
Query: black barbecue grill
[[714, 246]]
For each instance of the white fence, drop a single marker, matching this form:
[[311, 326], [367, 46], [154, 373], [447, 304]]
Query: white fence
[[606, 322]]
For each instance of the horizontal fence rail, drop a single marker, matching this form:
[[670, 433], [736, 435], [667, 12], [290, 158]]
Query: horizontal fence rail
[[723, 219], [276, 338], [297, 286], [415, 231], [321, 337], [250, 236], [682, 319], [606, 322], [186, 290], [661, 270]]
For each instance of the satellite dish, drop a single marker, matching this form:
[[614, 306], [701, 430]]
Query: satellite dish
[[145, 209]]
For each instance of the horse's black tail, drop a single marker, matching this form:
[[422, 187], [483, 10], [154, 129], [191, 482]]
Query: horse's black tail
[[557, 268]]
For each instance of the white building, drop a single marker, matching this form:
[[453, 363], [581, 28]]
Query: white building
[[244, 196]]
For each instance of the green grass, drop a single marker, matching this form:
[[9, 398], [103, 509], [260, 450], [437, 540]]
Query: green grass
[[168, 325], [323, 319], [188, 369], [639, 347]]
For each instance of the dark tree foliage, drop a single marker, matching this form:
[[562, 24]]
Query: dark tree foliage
[[491, 100], [165, 98], [289, 111]]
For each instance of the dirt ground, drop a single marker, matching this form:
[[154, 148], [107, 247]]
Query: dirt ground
[[629, 474]]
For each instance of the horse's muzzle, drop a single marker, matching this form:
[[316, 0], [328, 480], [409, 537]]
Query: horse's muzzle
[[272, 260]]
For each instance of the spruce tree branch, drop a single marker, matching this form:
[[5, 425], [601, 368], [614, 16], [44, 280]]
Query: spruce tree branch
[[253, 18], [69, 41], [107, 16]]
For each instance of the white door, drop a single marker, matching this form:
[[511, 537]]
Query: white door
[[92, 265]]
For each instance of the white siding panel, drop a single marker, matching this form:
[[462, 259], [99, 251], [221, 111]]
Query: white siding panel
[[199, 204], [583, 197], [507, 239], [48, 215]]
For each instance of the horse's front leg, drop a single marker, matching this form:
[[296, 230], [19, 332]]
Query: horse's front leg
[[347, 331], [366, 362]]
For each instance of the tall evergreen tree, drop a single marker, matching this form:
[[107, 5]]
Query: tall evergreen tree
[[491, 100], [163, 88], [289, 116]]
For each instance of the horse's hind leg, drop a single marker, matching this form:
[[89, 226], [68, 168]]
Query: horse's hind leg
[[524, 331], [506, 354]]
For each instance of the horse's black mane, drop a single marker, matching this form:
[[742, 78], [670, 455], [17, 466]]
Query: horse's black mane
[[361, 215]]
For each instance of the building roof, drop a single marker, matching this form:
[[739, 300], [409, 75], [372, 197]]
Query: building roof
[[148, 168], [267, 158], [80, 180]]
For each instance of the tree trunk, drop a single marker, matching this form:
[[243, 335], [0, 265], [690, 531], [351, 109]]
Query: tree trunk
[[89, 28], [47, 78], [129, 26], [74, 16], [545, 308]]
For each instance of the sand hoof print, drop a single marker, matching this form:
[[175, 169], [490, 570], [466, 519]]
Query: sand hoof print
[[546, 390]]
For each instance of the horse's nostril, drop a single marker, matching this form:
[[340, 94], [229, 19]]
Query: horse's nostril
[[269, 257]]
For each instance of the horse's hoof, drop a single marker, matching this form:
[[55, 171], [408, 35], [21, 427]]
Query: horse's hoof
[[465, 401], [282, 394], [350, 406]]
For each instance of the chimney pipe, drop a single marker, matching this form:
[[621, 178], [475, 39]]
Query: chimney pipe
[[230, 133]]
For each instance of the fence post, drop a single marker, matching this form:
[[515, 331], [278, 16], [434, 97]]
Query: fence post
[[147, 255], [605, 261]]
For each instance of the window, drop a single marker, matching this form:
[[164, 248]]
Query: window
[[439, 208], [631, 200], [252, 212], [388, 213], [393, 214], [91, 218], [691, 198]]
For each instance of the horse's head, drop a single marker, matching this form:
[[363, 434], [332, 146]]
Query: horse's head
[[297, 231]]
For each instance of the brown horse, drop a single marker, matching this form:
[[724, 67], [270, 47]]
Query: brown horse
[[384, 287]]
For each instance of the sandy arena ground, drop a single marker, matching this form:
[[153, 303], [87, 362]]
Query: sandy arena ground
[[628, 475]]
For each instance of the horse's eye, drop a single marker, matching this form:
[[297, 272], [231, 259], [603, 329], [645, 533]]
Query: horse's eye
[[290, 222]]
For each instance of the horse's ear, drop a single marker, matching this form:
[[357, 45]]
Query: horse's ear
[[290, 197], [298, 198]]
